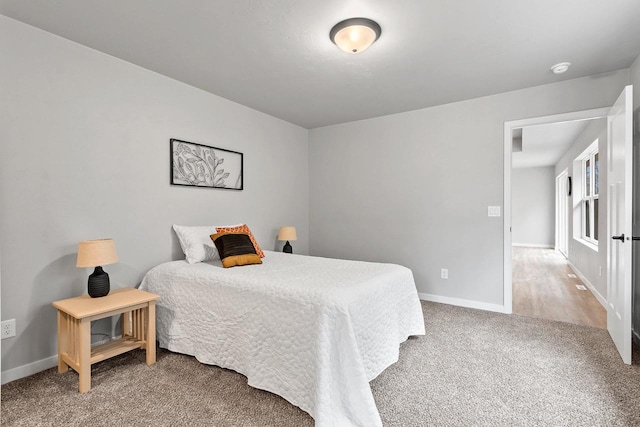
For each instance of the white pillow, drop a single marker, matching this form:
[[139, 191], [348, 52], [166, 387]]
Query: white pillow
[[196, 242]]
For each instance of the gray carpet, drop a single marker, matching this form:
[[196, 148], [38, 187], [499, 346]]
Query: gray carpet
[[473, 368]]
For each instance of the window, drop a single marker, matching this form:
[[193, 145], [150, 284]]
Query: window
[[590, 196]]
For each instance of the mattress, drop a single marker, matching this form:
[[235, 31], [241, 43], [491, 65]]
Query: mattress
[[312, 330]]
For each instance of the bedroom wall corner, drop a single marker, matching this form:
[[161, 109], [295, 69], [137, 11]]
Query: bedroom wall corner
[[85, 154]]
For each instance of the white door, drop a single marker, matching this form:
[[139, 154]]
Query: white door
[[562, 213], [619, 202]]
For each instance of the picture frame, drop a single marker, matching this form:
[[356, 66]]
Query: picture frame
[[204, 166]]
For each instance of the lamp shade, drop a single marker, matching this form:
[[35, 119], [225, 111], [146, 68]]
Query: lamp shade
[[287, 233], [93, 253], [355, 35]]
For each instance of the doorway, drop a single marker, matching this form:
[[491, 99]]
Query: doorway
[[619, 170], [509, 129], [546, 282]]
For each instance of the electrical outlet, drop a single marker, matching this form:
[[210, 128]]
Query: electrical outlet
[[444, 273], [8, 328], [600, 272], [493, 211]]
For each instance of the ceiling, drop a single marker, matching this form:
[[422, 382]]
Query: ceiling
[[276, 56], [544, 145]]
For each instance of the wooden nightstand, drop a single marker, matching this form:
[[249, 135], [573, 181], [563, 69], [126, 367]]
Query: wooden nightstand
[[74, 329]]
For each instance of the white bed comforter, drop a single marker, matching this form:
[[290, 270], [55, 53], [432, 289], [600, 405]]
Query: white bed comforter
[[312, 330]]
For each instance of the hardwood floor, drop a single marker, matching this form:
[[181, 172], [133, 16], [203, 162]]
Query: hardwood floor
[[542, 288]]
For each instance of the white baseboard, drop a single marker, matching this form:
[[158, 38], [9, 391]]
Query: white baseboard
[[462, 302], [602, 300], [533, 245], [37, 366], [29, 369]]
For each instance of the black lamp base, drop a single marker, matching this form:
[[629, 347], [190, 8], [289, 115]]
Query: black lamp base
[[99, 285], [287, 248]]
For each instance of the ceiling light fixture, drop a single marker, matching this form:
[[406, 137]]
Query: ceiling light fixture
[[561, 67], [355, 35]]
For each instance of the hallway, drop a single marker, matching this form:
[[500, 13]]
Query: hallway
[[543, 288]]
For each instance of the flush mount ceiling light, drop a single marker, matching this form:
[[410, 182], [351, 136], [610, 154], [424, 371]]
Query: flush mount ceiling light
[[355, 35], [560, 68]]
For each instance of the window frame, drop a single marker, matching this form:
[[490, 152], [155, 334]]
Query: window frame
[[589, 198]]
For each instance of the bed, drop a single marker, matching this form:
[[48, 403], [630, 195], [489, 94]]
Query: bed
[[312, 330]]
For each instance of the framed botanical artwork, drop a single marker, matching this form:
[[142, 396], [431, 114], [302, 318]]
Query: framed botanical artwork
[[197, 165]]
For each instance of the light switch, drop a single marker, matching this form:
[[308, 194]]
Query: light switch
[[494, 210]]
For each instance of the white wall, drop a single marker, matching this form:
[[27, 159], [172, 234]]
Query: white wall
[[413, 188], [533, 192], [584, 258], [85, 154]]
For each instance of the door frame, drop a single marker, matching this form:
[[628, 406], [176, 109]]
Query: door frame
[[507, 238]]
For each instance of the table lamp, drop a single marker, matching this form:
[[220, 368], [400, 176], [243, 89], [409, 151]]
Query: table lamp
[[96, 253], [287, 233]]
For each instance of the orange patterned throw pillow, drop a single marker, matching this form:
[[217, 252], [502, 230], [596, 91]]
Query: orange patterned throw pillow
[[235, 249], [242, 229]]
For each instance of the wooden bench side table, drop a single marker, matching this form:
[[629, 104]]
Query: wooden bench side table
[[74, 329]]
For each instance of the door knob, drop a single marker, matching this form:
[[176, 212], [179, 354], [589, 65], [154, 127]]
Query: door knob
[[620, 237]]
